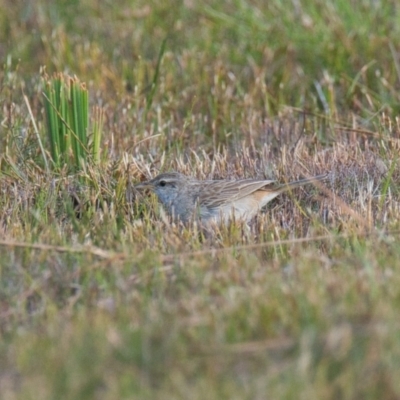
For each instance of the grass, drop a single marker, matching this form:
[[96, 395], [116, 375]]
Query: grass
[[102, 297]]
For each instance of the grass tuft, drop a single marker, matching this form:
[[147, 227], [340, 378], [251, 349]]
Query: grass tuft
[[67, 114]]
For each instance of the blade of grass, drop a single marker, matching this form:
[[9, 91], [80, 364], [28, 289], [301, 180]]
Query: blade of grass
[[387, 181], [37, 134], [97, 131], [51, 95], [149, 99], [79, 120]]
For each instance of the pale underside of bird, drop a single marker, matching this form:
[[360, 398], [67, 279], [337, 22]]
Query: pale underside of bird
[[218, 201]]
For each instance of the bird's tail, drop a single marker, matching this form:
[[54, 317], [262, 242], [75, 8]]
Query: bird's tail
[[301, 182]]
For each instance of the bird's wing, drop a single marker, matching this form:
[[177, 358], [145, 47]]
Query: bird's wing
[[219, 193]]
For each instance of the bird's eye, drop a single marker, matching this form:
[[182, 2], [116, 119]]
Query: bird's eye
[[162, 183]]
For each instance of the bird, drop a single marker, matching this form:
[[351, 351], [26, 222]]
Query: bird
[[187, 199]]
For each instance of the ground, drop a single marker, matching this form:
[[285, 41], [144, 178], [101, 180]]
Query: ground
[[101, 296]]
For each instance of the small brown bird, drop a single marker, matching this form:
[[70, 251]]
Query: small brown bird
[[185, 198]]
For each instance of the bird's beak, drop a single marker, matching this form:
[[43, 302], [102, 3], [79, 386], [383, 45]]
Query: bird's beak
[[144, 186]]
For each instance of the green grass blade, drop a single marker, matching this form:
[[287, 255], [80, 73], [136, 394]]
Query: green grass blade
[[149, 99], [97, 133]]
